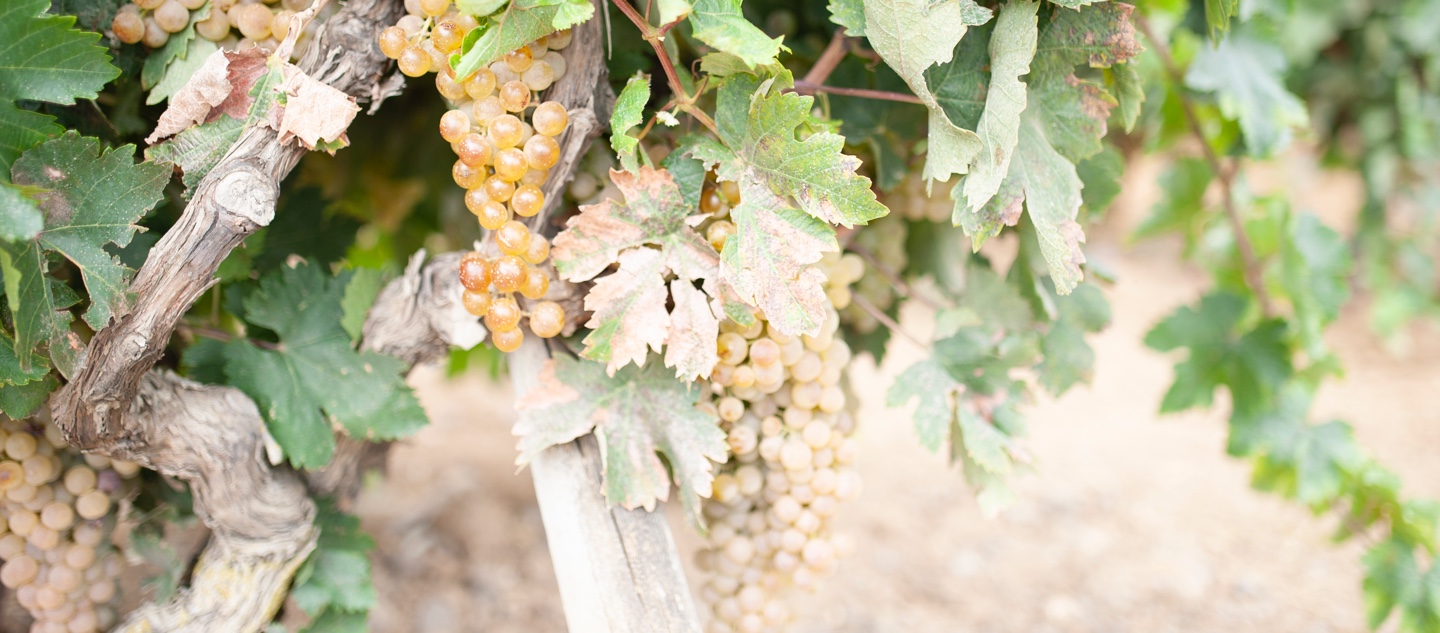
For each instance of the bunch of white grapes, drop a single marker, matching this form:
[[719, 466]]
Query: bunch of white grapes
[[262, 24], [782, 402], [57, 509], [910, 201], [884, 239], [591, 183]]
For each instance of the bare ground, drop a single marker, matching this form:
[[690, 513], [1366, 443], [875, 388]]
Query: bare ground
[[1130, 522]]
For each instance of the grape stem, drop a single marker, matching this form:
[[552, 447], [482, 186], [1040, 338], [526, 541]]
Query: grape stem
[[806, 87], [902, 288], [885, 319], [1225, 174], [205, 331], [656, 36], [835, 51]]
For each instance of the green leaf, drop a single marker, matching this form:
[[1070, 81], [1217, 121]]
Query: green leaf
[[687, 172], [365, 285], [1072, 110], [1182, 200], [337, 575], [181, 69], [1048, 186], [20, 217], [159, 62], [650, 236], [932, 384], [198, 149], [1012, 46], [92, 199], [12, 373], [21, 130], [522, 22], [22, 401], [638, 415], [1315, 268], [43, 59], [1251, 364], [148, 544], [1129, 93], [913, 35], [721, 24], [628, 113], [1217, 17], [1101, 174], [315, 369], [961, 84], [1247, 76], [672, 10], [1392, 579], [849, 14], [479, 8]]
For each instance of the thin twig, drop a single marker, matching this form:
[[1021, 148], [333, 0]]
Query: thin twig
[[805, 87], [1253, 276], [205, 331], [902, 288], [656, 38], [886, 320], [834, 53]]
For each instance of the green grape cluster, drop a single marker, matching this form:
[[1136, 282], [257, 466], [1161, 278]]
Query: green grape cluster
[[884, 239], [57, 510], [591, 183], [782, 402], [259, 23]]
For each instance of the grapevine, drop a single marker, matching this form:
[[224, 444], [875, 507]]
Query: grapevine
[[700, 212]]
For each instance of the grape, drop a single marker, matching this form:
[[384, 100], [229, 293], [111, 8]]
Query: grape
[[393, 41], [558, 40], [557, 65], [535, 177], [508, 273], [92, 505], [518, 60], [18, 571], [476, 303], [510, 164], [537, 283], [223, 5], [503, 74], [454, 125], [539, 76], [12, 475], [514, 96], [505, 131], [412, 7], [253, 20], [474, 149], [710, 201], [40, 469], [414, 61], [280, 24], [541, 152], [718, 232], [508, 340], [434, 8], [439, 62], [527, 200], [504, 315], [480, 85], [57, 516], [128, 26], [492, 215], [154, 37], [466, 176], [486, 109], [499, 189], [214, 28], [474, 272], [20, 445], [550, 118], [513, 238], [547, 318], [412, 25], [447, 36], [538, 251]]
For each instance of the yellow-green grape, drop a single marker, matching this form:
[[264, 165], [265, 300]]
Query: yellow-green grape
[[538, 252], [527, 200], [537, 282], [558, 40], [434, 8], [154, 37], [487, 109], [473, 148], [518, 60], [466, 176], [214, 28], [550, 118], [547, 318], [511, 164], [508, 273], [129, 27], [503, 315], [492, 214], [253, 20], [535, 177], [541, 152], [505, 131], [393, 42], [480, 85], [414, 61], [476, 303], [513, 238], [499, 189], [507, 340], [454, 125], [539, 76], [447, 36], [514, 96], [718, 232]]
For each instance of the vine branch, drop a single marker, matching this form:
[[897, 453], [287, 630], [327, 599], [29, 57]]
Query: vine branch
[[1252, 267], [806, 87], [656, 38], [887, 321]]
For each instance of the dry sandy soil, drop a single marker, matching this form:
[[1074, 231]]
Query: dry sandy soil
[[1130, 523]]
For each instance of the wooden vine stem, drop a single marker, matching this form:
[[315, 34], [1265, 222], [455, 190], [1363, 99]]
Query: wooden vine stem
[[618, 569]]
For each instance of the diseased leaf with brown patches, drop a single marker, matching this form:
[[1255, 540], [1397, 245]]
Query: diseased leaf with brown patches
[[637, 415], [694, 327], [314, 112], [650, 236], [768, 261], [192, 103]]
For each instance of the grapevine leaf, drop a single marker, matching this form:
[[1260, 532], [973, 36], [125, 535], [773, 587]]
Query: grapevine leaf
[[759, 128], [1392, 579], [1074, 111], [479, 8], [1129, 93], [1075, 4], [203, 91], [768, 261], [1184, 184], [92, 198], [960, 85], [180, 70], [1250, 364], [22, 401], [336, 621], [1247, 76], [628, 306], [360, 294], [694, 326], [337, 574], [43, 59], [315, 369], [522, 22], [21, 130], [628, 114], [635, 415], [687, 171], [1295, 458], [20, 217], [1012, 46], [911, 36], [849, 14], [720, 24], [232, 90], [931, 383], [672, 10], [1315, 269], [985, 445], [315, 113], [1217, 17], [1049, 187], [1101, 174], [198, 149], [1069, 359], [12, 373]]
